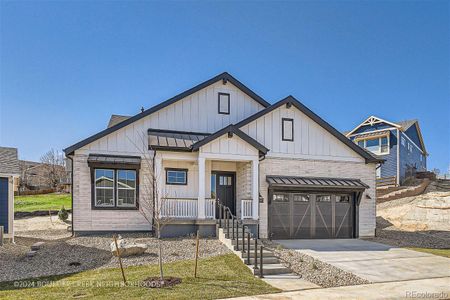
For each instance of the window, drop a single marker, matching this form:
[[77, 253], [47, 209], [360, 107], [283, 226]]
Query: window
[[225, 180], [287, 129], [384, 145], [280, 198], [176, 176], [323, 198], [115, 188], [126, 188], [213, 185], [410, 147], [343, 198], [104, 188], [301, 198], [224, 103], [379, 145], [403, 142], [421, 157]]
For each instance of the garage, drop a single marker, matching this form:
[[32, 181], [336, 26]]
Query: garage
[[313, 208]]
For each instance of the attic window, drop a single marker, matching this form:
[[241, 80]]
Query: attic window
[[287, 129], [224, 103]]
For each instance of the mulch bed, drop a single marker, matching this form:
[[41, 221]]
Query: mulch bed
[[37, 213], [156, 282]]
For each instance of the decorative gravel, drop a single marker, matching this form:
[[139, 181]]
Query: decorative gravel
[[92, 252], [313, 270]]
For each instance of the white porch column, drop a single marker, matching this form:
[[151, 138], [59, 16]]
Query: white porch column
[[255, 189], [201, 188], [158, 176]]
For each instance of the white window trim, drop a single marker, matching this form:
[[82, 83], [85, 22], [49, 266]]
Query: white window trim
[[379, 144], [103, 188], [122, 188]]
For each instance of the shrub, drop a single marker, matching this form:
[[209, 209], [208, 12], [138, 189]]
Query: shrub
[[63, 215]]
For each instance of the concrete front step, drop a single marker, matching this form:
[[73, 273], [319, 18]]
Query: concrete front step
[[252, 254], [272, 269], [266, 260]]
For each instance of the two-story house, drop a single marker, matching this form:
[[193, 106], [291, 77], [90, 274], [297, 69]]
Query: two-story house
[[399, 143], [220, 144]]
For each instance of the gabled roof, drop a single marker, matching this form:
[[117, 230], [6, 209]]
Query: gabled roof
[[225, 77], [230, 130], [401, 125], [116, 119], [9, 163], [290, 100]]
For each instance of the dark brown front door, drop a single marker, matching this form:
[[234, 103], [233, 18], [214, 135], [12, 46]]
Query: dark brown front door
[[225, 190]]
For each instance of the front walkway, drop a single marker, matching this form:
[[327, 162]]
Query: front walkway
[[438, 288]]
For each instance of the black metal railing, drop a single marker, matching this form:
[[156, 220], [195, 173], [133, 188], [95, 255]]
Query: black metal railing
[[226, 218]]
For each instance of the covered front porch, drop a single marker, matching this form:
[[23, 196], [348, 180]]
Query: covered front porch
[[196, 186]]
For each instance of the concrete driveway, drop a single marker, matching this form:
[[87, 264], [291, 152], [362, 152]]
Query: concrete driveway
[[373, 261]]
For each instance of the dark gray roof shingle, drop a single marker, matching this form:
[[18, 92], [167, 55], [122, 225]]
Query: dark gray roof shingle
[[9, 162]]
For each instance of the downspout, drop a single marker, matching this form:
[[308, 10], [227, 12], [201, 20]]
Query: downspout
[[71, 192], [153, 191]]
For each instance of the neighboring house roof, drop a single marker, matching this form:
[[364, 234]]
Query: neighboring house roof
[[315, 182], [116, 119], [9, 163], [230, 130], [223, 76], [406, 124], [290, 100], [401, 125]]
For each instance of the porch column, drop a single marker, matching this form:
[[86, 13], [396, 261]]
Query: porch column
[[255, 189], [201, 188], [159, 186]]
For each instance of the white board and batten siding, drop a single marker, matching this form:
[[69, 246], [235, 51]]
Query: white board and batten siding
[[195, 113], [233, 147], [311, 141]]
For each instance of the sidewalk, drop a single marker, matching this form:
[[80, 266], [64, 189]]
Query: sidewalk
[[437, 288]]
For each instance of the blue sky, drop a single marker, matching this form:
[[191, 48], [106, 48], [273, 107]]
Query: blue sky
[[67, 66]]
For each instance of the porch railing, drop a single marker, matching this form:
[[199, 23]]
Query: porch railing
[[210, 208], [186, 208], [246, 209], [179, 208]]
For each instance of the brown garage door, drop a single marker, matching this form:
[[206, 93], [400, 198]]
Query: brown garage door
[[297, 215]]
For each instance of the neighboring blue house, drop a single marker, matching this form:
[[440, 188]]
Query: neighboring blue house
[[399, 143]]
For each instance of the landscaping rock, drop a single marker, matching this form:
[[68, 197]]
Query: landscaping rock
[[31, 253], [37, 246], [127, 248]]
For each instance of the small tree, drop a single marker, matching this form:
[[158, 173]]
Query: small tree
[[54, 166], [152, 203]]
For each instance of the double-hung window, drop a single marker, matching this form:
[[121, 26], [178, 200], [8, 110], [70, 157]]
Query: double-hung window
[[115, 188]]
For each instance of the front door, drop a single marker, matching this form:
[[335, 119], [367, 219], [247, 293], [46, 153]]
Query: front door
[[225, 190]]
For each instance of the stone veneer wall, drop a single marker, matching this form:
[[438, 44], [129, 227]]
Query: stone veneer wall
[[321, 168]]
